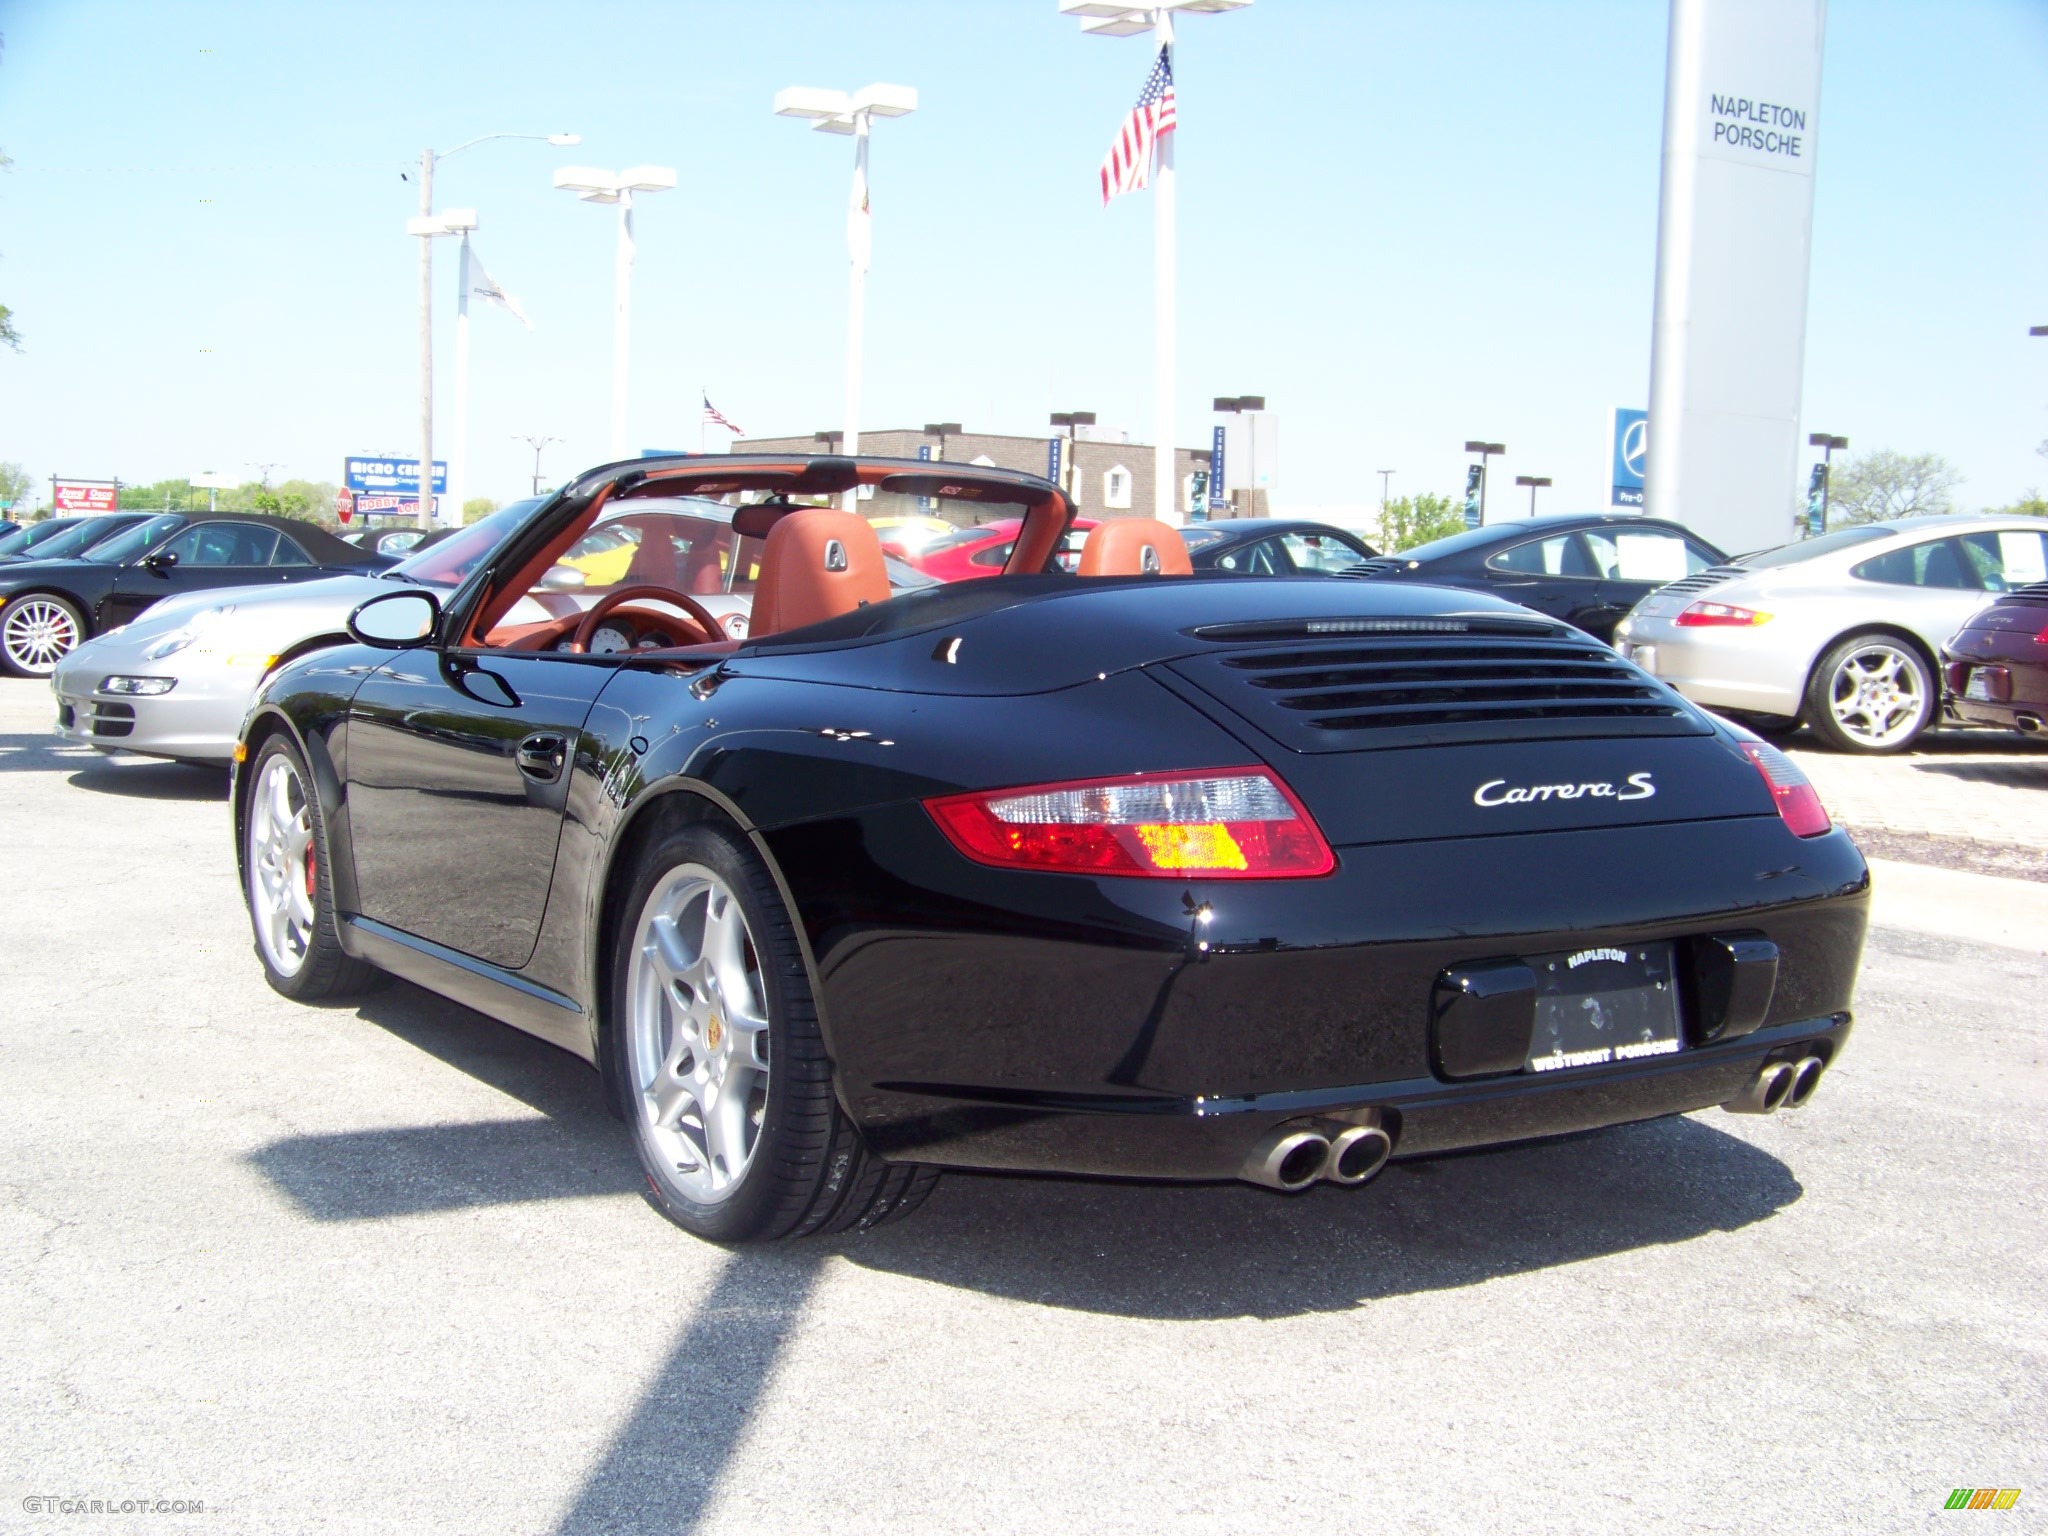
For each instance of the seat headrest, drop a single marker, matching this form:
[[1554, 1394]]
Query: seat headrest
[[1135, 546], [819, 562]]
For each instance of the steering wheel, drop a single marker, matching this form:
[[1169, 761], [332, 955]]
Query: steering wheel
[[701, 616]]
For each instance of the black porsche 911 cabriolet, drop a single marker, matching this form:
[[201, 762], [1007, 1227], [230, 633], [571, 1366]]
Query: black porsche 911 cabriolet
[[1133, 872]]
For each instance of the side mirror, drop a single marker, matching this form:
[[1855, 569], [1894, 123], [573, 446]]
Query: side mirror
[[563, 578], [163, 560], [395, 620]]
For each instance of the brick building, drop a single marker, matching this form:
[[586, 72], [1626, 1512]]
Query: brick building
[[1105, 479]]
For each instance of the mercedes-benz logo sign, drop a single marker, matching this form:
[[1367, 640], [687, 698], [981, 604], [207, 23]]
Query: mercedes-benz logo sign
[[1635, 446]]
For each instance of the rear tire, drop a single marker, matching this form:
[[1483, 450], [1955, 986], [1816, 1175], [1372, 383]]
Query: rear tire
[[1872, 694], [38, 630], [721, 1071], [287, 886]]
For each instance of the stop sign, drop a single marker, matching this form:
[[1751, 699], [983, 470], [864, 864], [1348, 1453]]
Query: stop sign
[[344, 504]]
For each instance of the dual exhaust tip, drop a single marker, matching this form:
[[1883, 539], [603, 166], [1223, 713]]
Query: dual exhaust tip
[[1291, 1157], [1780, 1085]]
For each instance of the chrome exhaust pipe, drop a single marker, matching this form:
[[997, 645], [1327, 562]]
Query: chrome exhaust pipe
[[1766, 1095], [1288, 1158], [2027, 725], [1805, 1078], [1357, 1152]]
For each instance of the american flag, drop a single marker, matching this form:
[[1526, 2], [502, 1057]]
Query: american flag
[[714, 417], [1128, 165]]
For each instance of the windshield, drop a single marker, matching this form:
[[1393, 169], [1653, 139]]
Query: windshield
[[123, 546], [79, 537], [34, 534], [1813, 549], [448, 563]]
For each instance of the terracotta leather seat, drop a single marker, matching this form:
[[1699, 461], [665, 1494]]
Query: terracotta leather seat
[[654, 562], [1135, 546], [818, 563]]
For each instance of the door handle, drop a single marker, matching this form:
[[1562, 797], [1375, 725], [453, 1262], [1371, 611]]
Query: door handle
[[542, 757]]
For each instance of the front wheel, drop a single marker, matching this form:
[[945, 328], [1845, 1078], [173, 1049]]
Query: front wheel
[[37, 632], [720, 1067], [1871, 694], [287, 883]]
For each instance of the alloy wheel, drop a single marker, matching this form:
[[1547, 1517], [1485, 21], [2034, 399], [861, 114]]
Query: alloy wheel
[[39, 633], [697, 1033], [1876, 695], [282, 866]]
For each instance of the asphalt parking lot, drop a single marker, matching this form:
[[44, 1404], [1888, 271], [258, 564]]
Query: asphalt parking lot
[[387, 1267]]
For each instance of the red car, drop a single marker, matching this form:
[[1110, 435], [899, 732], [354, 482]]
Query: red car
[[1997, 664], [981, 551]]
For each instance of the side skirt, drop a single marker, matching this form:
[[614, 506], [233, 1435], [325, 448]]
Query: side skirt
[[501, 994]]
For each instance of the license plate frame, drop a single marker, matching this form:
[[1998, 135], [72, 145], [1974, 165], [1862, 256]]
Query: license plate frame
[[1604, 1005]]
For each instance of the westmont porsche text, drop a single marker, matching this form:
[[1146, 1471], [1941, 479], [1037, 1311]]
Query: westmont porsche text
[[1164, 875]]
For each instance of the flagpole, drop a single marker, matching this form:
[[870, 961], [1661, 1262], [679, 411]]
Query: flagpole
[[622, 312], [856, 294], [1165, 503], [703, 421], [458, 447]]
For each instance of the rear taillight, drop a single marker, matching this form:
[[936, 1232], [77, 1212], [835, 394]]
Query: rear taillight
[[1798, 806], [1220, 824], [1720, 616]]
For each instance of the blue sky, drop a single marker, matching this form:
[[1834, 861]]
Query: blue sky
[[1405, 224]]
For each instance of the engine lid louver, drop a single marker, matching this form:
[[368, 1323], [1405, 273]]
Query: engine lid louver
[[1500, 681], [1699, 581]]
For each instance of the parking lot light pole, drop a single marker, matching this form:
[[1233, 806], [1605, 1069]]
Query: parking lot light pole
[[843, 113], [617, 188], [1533, 482], [429, 158], [1827, 443], [942, 430], [1485, 452], [536, 442]]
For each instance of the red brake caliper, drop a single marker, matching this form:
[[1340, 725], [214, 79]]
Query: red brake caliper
[[310, 862]]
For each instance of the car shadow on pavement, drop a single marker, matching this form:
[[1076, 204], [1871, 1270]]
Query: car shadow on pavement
[[140, 777], [1176, 1252], [1153, 1251], [573, 1149], [2014, 772]]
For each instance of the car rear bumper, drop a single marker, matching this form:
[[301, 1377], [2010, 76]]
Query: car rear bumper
[[1062, 1024], [1714, 672]]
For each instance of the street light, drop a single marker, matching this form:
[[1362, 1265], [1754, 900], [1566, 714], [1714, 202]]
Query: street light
[[1107, 18], [1386, 480], [1485, 452], [536, 442], [617, 187], [428, 160], [1532, 481], [1071, 420], [942, 430], [838, 112]]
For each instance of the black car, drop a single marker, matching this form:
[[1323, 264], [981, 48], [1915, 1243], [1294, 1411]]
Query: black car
[[1259, 546], [48, 607], [1586, 568], [1181, 877], [20, 542], [71, 536]]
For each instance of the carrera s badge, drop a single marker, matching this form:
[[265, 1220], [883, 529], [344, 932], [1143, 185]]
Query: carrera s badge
[[1499, 792]]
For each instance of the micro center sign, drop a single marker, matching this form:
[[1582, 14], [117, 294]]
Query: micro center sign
[[77, 498]]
